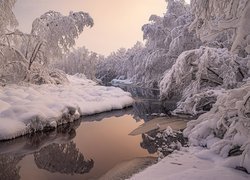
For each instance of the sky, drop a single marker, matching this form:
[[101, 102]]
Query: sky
[[117, 23]]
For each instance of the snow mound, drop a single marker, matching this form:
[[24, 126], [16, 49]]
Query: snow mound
[[29, 108]]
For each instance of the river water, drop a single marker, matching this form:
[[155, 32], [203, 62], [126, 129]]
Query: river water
[[94, 147]]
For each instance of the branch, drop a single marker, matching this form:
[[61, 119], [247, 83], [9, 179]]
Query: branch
[[212, 71]]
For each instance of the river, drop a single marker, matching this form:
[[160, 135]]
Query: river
[[93, 147]]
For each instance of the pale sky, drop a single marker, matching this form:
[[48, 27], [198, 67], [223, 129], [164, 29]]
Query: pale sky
[[117, 23]]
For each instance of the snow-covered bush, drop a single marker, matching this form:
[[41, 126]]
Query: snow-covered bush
[[225, 129], [46, 76], [199, 75]]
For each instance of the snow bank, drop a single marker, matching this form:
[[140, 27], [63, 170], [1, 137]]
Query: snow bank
[[195, 164], [29, 108]]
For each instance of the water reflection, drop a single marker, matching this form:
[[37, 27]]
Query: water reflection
[[63, 158], [140, 92], [8, 167], [31, 143], [143, 109], [147, 102], [52, 150], [109, 114], [83, 149]]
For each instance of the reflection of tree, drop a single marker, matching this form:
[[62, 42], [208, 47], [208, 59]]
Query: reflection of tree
[[63, 158], [31, 143], [142, 109], [8, 167], [62, 133], [12, 151], [109, 114]]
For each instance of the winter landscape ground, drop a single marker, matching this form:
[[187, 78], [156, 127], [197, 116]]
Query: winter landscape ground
[[197, 55]]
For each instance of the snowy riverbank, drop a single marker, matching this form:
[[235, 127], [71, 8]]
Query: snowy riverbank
[[192, 163], [28, 108]]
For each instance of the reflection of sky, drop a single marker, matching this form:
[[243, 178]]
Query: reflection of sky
[[117, 22]]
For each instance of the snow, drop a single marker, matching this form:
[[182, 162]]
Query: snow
[[192, 163], [29, 108], [116, 82], [226, 127]]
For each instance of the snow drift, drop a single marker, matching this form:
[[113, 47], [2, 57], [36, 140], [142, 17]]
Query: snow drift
[[29, 108]]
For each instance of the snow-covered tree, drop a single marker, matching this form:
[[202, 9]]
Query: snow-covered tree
[[215, 77], [223, 23], [57, 33], [13, 65], [165, 39], [26, 56], [7, 17], [112, 66], [80, 60], [199, 75]]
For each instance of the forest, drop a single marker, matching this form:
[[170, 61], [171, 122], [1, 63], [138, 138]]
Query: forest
[[196, 55]]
